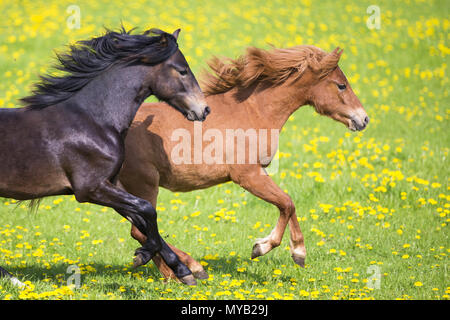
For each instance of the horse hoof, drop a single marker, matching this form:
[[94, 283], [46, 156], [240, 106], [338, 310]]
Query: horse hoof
[[188, 280], [140, 258], [137, 261], [299, 260], [256, 251], [202, 275]]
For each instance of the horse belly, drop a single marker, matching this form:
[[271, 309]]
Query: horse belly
[[30, 155], [35, 187], [31, 177], [191, 177]]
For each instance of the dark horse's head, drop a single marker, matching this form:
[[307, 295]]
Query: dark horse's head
[[181, 91], [174, 83]]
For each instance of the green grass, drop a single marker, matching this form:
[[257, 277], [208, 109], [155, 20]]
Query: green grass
[[376, 199]]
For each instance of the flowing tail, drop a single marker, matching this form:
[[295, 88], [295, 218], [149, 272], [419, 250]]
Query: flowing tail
[[33, 205]]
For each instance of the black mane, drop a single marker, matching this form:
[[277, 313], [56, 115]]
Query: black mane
[[87, 59]]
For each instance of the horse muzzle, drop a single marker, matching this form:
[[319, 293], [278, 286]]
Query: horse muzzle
[[357, 123], [196, 116]]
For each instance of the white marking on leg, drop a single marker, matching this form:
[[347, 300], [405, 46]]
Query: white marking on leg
[[17, 282], [265, 244]]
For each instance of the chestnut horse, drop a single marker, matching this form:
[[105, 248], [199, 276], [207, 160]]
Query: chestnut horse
[[259, 90]]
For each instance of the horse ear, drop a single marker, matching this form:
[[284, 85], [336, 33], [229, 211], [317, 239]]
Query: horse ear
[[338, 52], [176, 33], [331, 60]]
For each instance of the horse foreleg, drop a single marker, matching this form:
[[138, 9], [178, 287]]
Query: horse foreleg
[[256, 181], [296, 243], [157, 260], [192, 264]]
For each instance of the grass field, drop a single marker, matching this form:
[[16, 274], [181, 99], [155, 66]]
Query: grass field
[[373, 206]]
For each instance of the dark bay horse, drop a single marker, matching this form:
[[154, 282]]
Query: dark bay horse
[[258, 91], [69, 137]]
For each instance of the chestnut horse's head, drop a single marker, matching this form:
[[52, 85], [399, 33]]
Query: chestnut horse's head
[[311, 73], [331, 94]]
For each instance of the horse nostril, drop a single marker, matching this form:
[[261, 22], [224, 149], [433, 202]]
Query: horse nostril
[[366, 120], [206, 111]]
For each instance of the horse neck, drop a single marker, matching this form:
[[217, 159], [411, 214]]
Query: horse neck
[[274, 105], [110, 98]]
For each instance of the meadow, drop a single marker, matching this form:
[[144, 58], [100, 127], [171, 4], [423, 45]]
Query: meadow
[[373, 205]]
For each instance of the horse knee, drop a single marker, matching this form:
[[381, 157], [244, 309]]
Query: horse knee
[[287, 207]]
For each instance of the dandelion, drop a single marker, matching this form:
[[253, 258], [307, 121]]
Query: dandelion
[[277, 272]]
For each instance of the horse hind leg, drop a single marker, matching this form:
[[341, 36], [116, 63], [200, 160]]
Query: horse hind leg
[[146, 186], [143, 215], [14, 280]]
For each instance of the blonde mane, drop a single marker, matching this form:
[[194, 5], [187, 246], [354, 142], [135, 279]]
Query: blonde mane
[[274, 66]]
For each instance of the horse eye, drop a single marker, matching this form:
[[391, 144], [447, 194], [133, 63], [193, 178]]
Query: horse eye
[[342, 86], [183, 72]]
